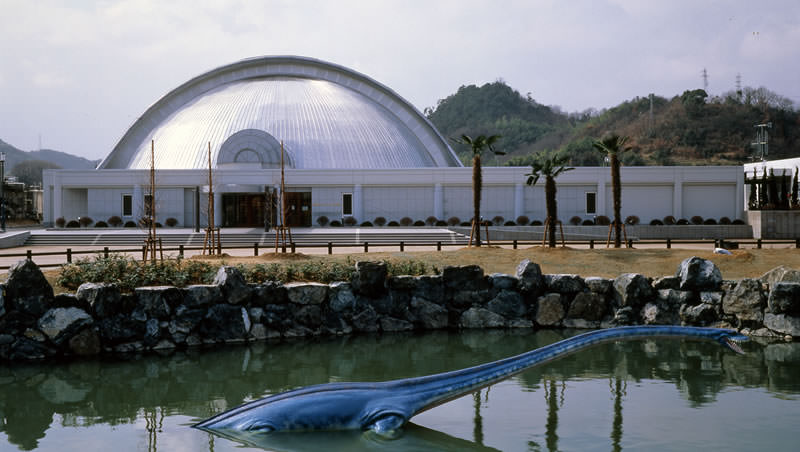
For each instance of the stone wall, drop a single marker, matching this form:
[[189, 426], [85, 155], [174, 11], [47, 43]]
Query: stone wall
[[35, 324]]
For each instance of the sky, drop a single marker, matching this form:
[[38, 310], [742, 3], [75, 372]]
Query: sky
[[75, 74]]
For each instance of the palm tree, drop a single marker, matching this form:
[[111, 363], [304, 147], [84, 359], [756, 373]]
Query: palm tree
[[549, 165], [612, 145], [478, 145]]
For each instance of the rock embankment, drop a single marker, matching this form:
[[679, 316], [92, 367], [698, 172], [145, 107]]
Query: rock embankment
[[98, 318]]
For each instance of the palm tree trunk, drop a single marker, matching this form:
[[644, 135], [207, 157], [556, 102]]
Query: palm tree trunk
[[552, 209], [477, 182], [617, 194]]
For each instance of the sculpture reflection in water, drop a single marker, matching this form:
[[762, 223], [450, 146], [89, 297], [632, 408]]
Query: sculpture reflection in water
[[195, 384], [385, 407]]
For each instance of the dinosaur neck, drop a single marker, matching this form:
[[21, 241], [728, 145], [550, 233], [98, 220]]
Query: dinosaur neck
[[430, 391]]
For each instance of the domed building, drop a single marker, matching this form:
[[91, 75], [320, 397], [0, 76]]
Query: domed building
[[349, 146]]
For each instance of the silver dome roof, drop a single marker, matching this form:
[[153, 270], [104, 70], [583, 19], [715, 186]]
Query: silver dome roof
[[327, 117]]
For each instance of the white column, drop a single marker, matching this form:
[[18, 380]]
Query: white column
[[519, 201], [138, 203], [740, 200], [217, 209], [358, 204], [438, 202], [677, 195], [600, 208], [57, 198]]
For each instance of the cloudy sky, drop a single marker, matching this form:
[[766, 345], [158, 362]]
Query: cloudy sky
[[75, 74]]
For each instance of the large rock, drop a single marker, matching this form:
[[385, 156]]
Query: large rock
[[85, 343], [780, 274], [269, 292], [782, 323], [334, 324], [531, 281], [60, 324], [698, 274], [226, 322], [341, 297], [565, 284], [667, 282], [309, 315], [27, 290], [466, 278], [509, 304], [784, 298], [746, 301], [202, 295], [370, 278], [391, 324], [102, 297], [632, 290], [158, 301], [588, 306], [307, 293], [122, 328], [428, 315], [481, 318], [701, 314], [502, 281], [430, 287], [599, 285], [366, 320], [402, 282], [234, 288], [549, 310], [672, 299], [658, 314]]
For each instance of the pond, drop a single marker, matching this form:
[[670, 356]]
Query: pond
[[653, 395]]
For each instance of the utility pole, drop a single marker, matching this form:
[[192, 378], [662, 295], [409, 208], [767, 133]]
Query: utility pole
[[650, 122]]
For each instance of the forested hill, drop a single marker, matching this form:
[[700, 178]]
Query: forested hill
[[689, 129]]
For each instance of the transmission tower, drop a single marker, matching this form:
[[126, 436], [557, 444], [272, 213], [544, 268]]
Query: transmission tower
[[705, 79]]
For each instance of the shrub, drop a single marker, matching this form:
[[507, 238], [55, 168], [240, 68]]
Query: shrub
[[453, 221], [366, 224], [60, 222], [350, 221], [431, 220], [158, 225], [536, 223], [406, 221], [393, 223], [724, 220], [130, 224], [466, 223], [509, 223], [656, 222], [576, 220], [632, 220], [602, 220], [101, 224], [322, 220], [73, 224], [522, 220], [336, 224], [171, 222], [682, 222], [697, 219], [587, 223], [419, 223], [738, 221], [144, 222], [498, 220], [669, 220], [115, 221], [710, 222], [85, 221], [441, 223], [380, 221]]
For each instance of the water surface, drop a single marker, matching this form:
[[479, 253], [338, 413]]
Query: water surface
[[653, 395]]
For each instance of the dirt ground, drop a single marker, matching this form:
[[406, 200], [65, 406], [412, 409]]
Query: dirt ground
[[597, 262]]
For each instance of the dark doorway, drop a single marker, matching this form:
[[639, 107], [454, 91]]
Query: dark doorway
[[244, 210], [298, 209]]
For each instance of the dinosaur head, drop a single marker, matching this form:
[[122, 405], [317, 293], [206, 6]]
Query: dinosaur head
[[730, 339]]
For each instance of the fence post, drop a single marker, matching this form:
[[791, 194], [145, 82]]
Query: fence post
[[515, 244], [105, 252], [144, 252], [758, 244], [29, 255], [366, 247], [797, 243], [293, 247], [403, 245], [180, 251], [630, 243], [69, 255], [330, 247], [438, 246], [255, 249], [283, 248], [591, 244], [669, 243]]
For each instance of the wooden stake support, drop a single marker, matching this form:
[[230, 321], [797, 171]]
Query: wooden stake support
[[624, 234], [212, 241], [282, 230], [151, 243], [547, 224], [475, 229]]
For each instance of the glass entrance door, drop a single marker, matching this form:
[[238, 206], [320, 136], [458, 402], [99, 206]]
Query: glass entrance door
[[298, 209]]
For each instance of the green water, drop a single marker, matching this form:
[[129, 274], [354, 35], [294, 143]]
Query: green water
[[651, 395]]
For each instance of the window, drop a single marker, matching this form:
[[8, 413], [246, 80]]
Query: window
[[127, 205], [591, 203], [347, 204]]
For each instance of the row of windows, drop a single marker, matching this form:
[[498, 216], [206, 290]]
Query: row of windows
[[347, 204]]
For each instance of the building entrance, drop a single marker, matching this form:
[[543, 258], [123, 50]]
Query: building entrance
[[298, 209], [245, 210]]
